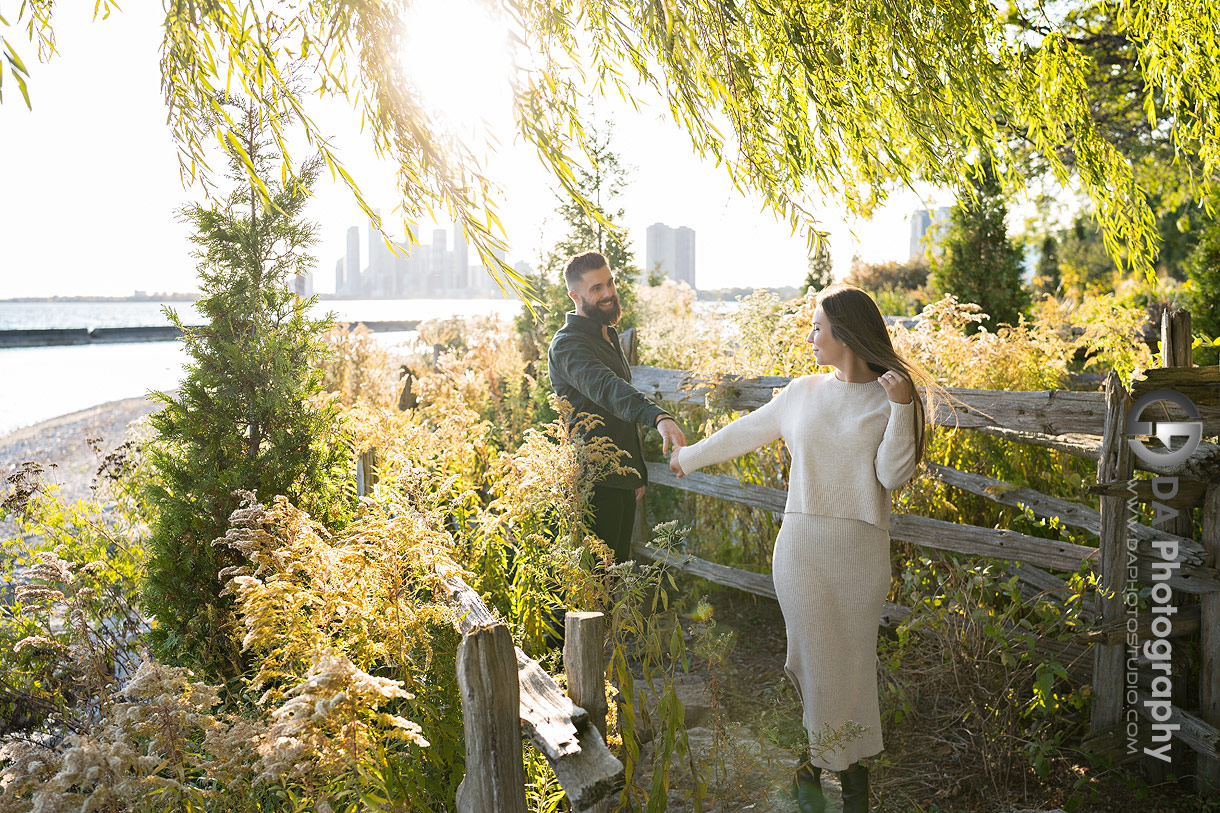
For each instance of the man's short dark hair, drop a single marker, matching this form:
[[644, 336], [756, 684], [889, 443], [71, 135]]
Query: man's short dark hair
[[579, 265]]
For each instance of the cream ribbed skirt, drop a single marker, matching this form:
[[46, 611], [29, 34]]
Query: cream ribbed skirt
[[831, 577]]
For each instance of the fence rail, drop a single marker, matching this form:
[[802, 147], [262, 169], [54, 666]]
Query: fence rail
[[1085, 424]]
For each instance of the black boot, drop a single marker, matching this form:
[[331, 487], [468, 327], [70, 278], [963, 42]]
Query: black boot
[[855, 789], [807, 789]]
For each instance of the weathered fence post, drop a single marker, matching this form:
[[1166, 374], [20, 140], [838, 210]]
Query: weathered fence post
[[1115, 465], [584, 662], [1208, 768], [629, 343], [1176, 338], [1175, 352], [366, 472], [491, 700]]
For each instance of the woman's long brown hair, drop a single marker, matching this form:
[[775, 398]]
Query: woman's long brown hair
[[856, 321]]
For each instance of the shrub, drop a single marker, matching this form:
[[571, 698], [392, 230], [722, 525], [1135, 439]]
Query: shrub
[[977, 262], [246, 415]]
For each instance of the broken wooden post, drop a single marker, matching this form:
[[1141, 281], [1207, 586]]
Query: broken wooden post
[[366, 472], [584, 662], [559, 728], [1116, 464], [487, 681]]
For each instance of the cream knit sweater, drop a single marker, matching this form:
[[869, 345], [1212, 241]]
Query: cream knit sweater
[[850, 446]]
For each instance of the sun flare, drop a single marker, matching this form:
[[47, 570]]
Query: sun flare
[[456, 55]]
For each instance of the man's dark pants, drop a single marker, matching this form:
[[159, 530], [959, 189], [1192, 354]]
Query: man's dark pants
[[614, 518]]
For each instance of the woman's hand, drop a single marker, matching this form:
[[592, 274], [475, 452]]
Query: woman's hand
[[896, 387], [674, 465]]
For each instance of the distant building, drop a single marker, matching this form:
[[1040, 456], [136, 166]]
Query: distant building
[[302, 285], [672, 251], [927, 230], [380, 275], [459, 264], [351, 264], [339, 291]]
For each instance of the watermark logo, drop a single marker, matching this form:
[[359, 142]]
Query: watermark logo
[[1164, 431], [1157, 706]]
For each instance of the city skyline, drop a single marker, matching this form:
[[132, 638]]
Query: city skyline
[[428, 270]]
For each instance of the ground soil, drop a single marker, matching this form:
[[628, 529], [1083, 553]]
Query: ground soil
[[918, 770]]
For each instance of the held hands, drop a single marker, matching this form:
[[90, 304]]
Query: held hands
[[674, 465], [671, 435], [896, 387]]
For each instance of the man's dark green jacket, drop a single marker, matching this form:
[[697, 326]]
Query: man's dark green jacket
[[592, 374]]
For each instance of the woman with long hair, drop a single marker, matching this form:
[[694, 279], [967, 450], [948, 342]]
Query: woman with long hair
[[855, 434]]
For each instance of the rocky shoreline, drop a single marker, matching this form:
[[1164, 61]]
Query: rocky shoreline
[[61, 444]]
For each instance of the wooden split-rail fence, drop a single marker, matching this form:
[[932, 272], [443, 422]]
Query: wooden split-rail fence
[[506, 695], [1083, 424]]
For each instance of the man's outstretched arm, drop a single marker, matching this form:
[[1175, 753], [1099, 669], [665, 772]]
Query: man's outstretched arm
[[597, 382]]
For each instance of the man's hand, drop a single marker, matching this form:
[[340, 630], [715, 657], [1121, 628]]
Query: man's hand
[[674, 465], [671, 435], [639, 494]]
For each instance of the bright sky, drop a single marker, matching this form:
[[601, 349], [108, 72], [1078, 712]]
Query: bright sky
[[89, 182]]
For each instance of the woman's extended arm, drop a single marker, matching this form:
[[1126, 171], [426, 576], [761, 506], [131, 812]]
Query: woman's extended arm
[[895, 462], [747, 433]]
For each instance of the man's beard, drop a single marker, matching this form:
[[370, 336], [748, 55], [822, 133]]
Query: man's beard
[[603, 316]]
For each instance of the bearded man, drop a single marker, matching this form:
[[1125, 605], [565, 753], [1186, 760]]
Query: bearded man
[[589, 370]]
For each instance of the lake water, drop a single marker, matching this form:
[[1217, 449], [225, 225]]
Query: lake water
[[44, 382], [32, 315]]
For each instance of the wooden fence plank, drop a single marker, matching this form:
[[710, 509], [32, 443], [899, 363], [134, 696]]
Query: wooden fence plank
[[719, 485], [1192, 730], [561, 730], [1199, 384], [1115, 464], [487, 683], [933, 533], [1077, 444], [1043, 505], [759, 584], [1190, 552], [994, 543], [584, 663], [1185, 624], [1050, 412], [1175, 347], [1203, 465], [1190, 492]]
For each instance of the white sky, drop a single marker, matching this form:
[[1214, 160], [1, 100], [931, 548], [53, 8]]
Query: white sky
[[89, 183]]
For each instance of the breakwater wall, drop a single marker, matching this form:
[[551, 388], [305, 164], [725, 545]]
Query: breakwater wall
[[57, 337]]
